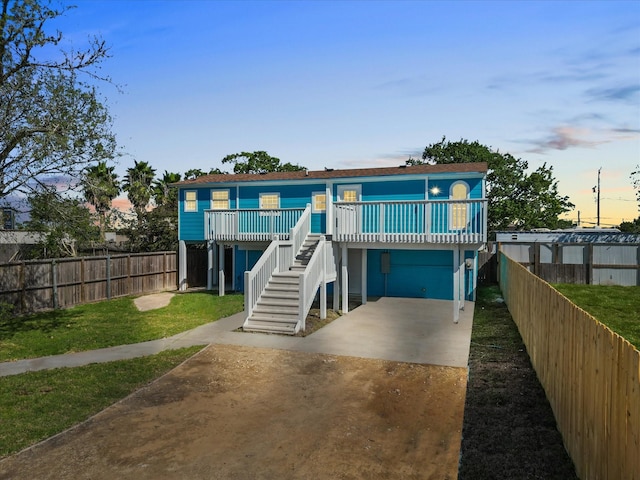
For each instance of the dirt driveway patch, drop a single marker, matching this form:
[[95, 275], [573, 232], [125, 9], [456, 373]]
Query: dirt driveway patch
[[249, 413]]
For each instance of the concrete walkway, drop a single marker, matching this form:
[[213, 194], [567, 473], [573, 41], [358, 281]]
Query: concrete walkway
[[400, 329]]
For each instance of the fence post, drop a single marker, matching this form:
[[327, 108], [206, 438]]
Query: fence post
[[164, 270], [54, 286], [82, 288], [108, 266], [23, 287], [590, 265]]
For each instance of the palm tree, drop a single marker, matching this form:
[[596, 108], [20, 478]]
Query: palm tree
[[138, 185], [100, 186], [163, 194]]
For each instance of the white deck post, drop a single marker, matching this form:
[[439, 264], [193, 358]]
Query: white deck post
[[329, 208], [345, 279], [221, 283], [363, 281], [456, 284], [210, 271], [182, 262], [323, 282]]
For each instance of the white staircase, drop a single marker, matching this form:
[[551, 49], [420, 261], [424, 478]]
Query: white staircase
[[278, 307]]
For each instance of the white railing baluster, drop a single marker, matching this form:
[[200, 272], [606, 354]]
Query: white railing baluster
[[421, 221]]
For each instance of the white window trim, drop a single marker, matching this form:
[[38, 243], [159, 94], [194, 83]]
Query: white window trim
[[228, 198], [186, 202], [357, 188], [263, 194], [313, 202]]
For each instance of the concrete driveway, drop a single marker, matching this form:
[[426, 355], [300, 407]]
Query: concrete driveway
[[414, 330]]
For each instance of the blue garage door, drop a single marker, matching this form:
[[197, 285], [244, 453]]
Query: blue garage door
[[417, 274]]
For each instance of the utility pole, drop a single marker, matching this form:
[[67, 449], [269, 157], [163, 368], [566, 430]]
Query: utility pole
[[596, 190], [599, 196]]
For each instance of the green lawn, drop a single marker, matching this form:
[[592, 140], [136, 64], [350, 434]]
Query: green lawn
[[37, 405], [107, 324], [615, 306]]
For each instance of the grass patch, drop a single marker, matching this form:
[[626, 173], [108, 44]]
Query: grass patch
[[37, 405], [615, 306], [107, 324]]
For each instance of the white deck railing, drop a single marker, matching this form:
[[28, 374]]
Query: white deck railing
[[256, 280], [310, 280], [420, 221], [251, 224], [299, 232]]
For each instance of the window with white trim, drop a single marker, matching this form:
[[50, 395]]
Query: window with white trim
[[190, 201], [349, 193], [219, 199], [319, 202], [459, 191], [269, 201]]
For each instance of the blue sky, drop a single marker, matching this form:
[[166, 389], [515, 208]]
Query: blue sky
[[351, 84]]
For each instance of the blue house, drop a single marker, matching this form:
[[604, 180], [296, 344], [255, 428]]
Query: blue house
[[282, 238]]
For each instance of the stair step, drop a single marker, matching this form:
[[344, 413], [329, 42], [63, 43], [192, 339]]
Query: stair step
[[269, 328], [274, 317], [278, 301], [282, 289], [280, 294], [275, 309], [293, 279], [275, 321]]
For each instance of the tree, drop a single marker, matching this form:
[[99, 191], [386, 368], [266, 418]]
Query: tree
[[193, 173], [163, 193], [630, 227], [138, 185], [514, 197], [100, 185], [66, 224], [258, 162], [52, 122]]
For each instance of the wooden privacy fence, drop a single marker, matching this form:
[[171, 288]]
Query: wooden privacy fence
[[58, 283], [589, 373]]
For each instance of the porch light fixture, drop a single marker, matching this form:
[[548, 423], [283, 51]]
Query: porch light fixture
[[435, 190]]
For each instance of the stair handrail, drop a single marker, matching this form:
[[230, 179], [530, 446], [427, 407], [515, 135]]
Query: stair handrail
[[299, 232], [309, 282], [257, 278]]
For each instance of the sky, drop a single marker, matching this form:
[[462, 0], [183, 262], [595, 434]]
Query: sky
[[355, 84]]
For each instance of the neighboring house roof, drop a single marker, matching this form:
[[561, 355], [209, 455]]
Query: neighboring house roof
[[478, 167]]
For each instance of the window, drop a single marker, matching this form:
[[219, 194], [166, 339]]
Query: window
[[219, 199], [269, 201], [459, 191], [190, 201], [349, 193], [319, 202]]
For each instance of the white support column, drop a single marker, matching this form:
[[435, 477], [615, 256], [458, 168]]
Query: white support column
[[345, 279], [182, 262], [336, 284], [233, 269], [210, 260], [329, 208], [323, 283], [221, 283], [456, 284], [363, 281]]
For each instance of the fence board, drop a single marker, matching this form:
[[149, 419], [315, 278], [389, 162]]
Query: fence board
[[590, 375], [45, 284]]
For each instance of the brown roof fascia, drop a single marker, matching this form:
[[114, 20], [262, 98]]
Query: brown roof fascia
[[476, 167]]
